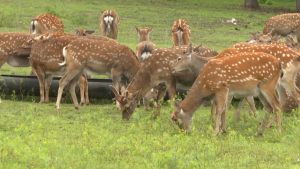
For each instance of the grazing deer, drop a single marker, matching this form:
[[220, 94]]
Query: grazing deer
[[155, 73], [9, 43], [87, 56], [230, 76], [181, 33], [143, 34], [109, 24], [195, 63], [45, 23], [82, 32], [285, 24]]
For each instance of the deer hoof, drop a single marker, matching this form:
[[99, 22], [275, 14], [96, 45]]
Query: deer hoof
[[57, 107], [81, 103], [258, 134], [77, 107]]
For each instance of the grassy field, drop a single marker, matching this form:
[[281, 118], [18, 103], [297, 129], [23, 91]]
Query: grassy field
[[34, 135]]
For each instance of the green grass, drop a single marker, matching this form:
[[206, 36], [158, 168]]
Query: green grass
[[34, 135]]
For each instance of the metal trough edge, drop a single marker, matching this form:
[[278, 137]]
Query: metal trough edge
[[29, 85]]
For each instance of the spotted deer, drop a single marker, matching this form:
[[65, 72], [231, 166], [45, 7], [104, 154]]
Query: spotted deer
[[45, 56], [204, 51], [44, 23], [143, 33], [155, 73], [109, 24], [87, 56], [144, 50], [230, 76], [290, 65], [290, 104], [9, 43], [291, 43], [181, 32], [195, 63], [285, 24]]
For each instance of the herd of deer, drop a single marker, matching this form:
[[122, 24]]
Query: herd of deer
[[262, 67]]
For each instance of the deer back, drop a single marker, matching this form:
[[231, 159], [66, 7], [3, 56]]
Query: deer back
[[49, 53], [282, 24], [44, 23], [100, 57]]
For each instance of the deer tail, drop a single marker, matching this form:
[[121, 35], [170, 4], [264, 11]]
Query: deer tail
[[65, 58]]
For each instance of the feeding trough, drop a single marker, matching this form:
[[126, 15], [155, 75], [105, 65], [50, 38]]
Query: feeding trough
[[29, 85]]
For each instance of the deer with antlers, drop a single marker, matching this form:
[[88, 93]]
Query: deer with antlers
[[87, 56], [233, 75], [181, 32], [44, 23], [109, 24], [155, 73]]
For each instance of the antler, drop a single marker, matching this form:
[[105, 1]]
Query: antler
[[118, 97]]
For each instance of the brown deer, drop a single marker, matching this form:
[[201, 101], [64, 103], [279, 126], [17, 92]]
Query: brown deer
[[44, 23], [143, 34], [144, 50], [290, 104], [285, 24], [10, 42], [290, 65], [45, 58], [87, 56], [181, 32], [195, 63], [109, 24], [290, 42], [204, 51], [155, 73], [233, 76]]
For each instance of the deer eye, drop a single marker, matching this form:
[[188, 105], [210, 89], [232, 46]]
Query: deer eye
[[179, 59]]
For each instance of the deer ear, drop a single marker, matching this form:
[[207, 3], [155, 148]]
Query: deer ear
[[189, 49], [288, 42], [149, 30], [76, 32], [253, 36], [177, 106], [276, 37], [89, 32], [137, 29]]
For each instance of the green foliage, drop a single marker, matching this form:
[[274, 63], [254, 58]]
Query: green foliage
[[34, 135], [267, 2]]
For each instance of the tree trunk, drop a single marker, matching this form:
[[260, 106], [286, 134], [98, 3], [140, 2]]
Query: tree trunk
[[252, 4], [298, 5]]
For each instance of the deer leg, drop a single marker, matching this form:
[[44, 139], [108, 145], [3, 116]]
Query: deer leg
[[229, 100], [240, 107], [63, 82], [270, 102], [175, 39], [251, 103], [73, 83], [221, 98], [41, 78], [160, 98], [86, 91], [212, 112], [47, 87], [116, 78], [81, 84]]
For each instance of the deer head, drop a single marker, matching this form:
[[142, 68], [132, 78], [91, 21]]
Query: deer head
[[143, 34], [290, 42], [128, 102], [82, 32]]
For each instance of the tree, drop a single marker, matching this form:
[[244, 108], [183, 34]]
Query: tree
[[252, 4], [298, 5]]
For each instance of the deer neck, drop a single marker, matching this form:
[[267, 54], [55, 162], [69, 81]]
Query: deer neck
[[193, 100], [141, 82]]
